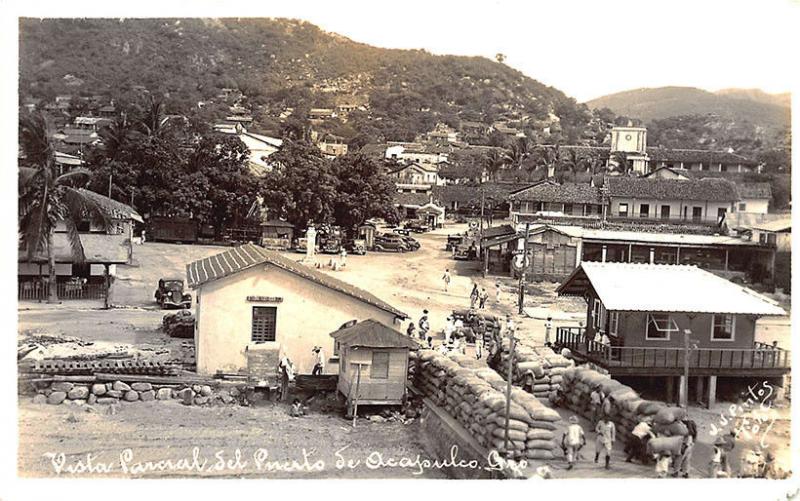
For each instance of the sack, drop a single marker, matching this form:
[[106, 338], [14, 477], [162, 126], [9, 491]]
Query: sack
[[539, 454], [542, 425], [539, 434], [547, 445], [512, 434], [513, 424], [668, 415], [545, 414]]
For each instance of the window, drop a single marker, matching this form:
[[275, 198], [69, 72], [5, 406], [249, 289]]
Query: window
[[665, 211], [742, 207], [598, 314], [644, 210], [567, 208], [623, 210], [723, 327], [721, 213], [697, 213], [659, 327], [263, 328], [380, 365], [613, 323]]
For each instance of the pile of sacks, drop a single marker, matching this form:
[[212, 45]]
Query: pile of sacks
[[475, 396], [627, 407], [544, 366]]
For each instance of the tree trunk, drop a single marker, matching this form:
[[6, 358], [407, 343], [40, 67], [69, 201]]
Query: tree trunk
[[52, 293]]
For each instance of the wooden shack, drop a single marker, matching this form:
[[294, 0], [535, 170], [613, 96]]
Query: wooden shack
[[373, 363], [277, 234]]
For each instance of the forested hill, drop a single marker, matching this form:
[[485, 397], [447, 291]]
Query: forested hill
[[280, 63]]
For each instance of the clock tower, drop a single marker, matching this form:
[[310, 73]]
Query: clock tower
[[633, 142]]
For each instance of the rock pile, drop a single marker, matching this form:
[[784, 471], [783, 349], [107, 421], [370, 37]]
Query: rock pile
[[627, 407], [113, 393], [475, 396], [540, 364]]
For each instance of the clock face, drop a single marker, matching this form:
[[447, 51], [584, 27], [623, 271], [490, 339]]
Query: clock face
[[628, 137]]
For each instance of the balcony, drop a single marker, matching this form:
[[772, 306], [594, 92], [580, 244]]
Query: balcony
[[761, 360]]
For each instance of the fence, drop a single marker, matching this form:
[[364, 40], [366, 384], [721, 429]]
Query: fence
[[33, 291]]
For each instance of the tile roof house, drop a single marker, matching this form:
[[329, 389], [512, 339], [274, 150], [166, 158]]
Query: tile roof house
[[568, 199], [250, 298]]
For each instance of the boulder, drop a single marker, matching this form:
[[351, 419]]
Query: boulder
[[226, 397], [201, 400], [91, 399], [62, 386], [40, 399], [235, 392], [120, 386], [142, 386], [107, 400], [205, 390], [56, 397], [114, 393], [147, 396], [78, 393], [164, 394], [186, 395], [111, 410], [131, 396], [99, 389], [196, 388]]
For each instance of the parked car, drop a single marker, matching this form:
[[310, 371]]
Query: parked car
[[390, 242], [169, 294], [401, 231], [411, 243], [417, 226], [453, 241]]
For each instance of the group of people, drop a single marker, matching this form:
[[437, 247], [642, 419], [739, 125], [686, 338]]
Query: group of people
[[478, 297]]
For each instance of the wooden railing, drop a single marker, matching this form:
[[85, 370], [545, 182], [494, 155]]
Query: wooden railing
[[33, 291], [761, 356]]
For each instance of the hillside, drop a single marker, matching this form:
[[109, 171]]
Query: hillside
[[752, 106], [279, 63]]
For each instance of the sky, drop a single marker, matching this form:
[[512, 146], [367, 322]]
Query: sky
[[585, 48]]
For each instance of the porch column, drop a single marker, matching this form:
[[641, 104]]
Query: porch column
[[605, 251], [670, 390], [678, 256], [712, 391], [726, 259], [485, 261], [652, 255], [107, 280], [630, 252], [699, 392], [683, 398]]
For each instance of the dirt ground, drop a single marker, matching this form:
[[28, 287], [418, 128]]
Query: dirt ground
[[410, 281]]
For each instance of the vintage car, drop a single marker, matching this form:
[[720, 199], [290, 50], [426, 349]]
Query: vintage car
[[416, 226], [401, 231], [390, 242], [410, 242], [170, 294]]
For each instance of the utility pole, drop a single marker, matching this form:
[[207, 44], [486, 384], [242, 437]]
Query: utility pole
[[524, 267], [509, 378], [687, 333], [109, 184], [483, 200]]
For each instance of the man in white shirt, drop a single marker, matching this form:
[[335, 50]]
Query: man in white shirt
[[449, 328], [641, 434], [573, 440], [319, 361]]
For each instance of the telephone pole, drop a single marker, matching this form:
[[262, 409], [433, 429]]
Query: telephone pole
[[524, 267], [509, 378]]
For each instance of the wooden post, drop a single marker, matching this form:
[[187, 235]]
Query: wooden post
[[355, 401], [712, 391], [604, 252], [699, 392], [485, 262], [682, 392], [684, 389], [508, 388], [108, 286], [524, 267]]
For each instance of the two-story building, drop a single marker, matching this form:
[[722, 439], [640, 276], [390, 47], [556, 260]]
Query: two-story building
[[658, 318], [416, 173]]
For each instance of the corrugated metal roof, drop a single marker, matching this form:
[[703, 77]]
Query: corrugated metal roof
[[373, 334], [776, 226], [666, 288], [246, 256]]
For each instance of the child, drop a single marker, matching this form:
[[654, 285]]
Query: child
[[297, 409], [663, 462]]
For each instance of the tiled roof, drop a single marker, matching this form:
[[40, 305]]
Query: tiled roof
[[249, 255], [373, 334], [550, 191], [665, 288], [117, 210], [465, 193], [780, 225], [697, 156], [708, 190], [754, 190], [418, 199]]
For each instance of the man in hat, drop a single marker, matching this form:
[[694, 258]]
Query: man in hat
[[424, 327], [606, 436], [319, 361], [572, 441]]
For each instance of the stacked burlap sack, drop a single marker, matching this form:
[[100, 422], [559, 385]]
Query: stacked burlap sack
[[627, 407], [540, 363], [475, 396]]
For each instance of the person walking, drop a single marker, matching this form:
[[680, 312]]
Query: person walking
[[497, 292], [446, 279], [479, 347], [510, 328], [473, 296], [449, 329], [482, 298], [572, 441], [595, 403], [144, 238], [343, 257], [548, 326], [286, 368], [319, 361], [606, 436]]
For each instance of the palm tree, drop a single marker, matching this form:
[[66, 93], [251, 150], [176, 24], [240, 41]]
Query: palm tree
[[114, 137], [47, 199], [494, 162], [153, 121]]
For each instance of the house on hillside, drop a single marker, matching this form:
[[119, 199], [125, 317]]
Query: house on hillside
[[415, 153], [777, 235], [754, 198], [415, 173], [249, 298], [647, 311]]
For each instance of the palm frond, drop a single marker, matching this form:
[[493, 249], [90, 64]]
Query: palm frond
[[79, 175], [75, 241]]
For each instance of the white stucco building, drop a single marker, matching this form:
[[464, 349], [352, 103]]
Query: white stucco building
[[249, 297]]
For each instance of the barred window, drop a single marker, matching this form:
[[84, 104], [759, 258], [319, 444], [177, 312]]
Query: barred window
[[264, 319]]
